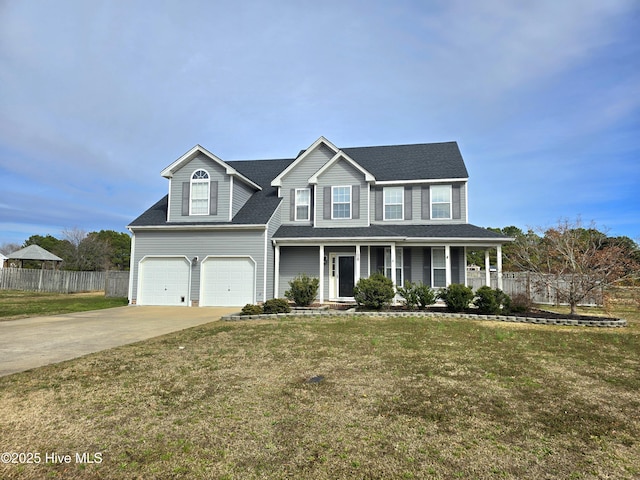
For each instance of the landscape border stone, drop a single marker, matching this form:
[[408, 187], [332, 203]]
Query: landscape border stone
[[615, 323]]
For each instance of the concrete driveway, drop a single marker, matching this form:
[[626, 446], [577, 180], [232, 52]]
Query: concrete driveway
[[33, 342]]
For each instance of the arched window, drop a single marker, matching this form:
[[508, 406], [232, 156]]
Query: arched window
[[200, 193]]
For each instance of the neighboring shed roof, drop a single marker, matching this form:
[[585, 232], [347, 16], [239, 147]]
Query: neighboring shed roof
[[34, 252]]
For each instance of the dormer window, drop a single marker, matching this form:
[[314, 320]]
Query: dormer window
[[199, 193]]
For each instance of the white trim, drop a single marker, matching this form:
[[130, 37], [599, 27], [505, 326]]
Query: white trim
[[265, 261], [334, 280], [132, 266], [169, 199], [499, 265], [315, 206], [343, 203], [313, 180], [191, 154], [384, 204], [277, 182], [200, 226], [321, 271], [409, 241], [447, 264], [295, 205], [426, 181], [230, 198], [356, 266], [368, 205], [276, 271]]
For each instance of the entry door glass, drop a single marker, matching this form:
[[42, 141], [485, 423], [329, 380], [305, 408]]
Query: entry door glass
[[346, 272]]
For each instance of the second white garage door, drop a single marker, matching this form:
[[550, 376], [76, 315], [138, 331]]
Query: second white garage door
[[227, 281]]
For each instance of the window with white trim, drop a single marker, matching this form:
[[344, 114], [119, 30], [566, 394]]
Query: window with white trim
[[393, 203], [441, 202], [399, 265], [438, 267], [199, 193], [341, 202], [303, 203]]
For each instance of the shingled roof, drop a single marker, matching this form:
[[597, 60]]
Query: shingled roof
[[386, 163]]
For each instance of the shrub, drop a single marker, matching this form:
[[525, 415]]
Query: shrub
[[276, 305], [520, 303], [490, 301], [456, 296], [375, 292], [303, 290], [251, 309], [417, 295]]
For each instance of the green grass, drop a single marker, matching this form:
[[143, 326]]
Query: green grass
[[17, 304], [402, 398]]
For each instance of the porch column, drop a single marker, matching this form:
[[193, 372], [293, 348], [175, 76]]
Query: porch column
[[356, 269], [499, 265], [487, 266], [276, 272], [393, 264], [447, 264], [321, 276]]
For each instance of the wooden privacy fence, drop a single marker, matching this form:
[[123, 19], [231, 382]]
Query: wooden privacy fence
[[114, 284], [528, 284]]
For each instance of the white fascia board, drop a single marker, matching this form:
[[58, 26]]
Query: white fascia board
[[229, 170], [424, 180], [341, 155], [149, 228], [408, 241], [277, 182]]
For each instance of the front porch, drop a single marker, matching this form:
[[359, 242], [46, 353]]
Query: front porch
[[340, 264]]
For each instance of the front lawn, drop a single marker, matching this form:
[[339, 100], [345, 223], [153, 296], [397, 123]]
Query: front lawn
[[18, 304], [400, 398]]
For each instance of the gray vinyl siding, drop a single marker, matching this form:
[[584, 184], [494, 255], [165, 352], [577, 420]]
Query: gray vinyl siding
[[299, 176], [241, 193], [216, 174], [458, 264], [201, 244], [416, 207], [295, 261], [340, 174]]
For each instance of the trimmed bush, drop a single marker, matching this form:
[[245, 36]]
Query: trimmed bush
[[276, 305], [375, 292], [457, 297], [303, 290], [490, 301], [417, 295], [251, 309]]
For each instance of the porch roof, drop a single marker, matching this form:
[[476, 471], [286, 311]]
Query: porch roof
[[457, 232]]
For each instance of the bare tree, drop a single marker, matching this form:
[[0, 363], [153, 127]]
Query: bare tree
[[7, 248], [84, 251], [576, 260]]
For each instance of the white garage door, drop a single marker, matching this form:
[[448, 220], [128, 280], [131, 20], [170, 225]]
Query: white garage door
[[163, 281], [227, 281]]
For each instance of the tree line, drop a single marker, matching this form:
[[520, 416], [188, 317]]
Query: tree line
[[81, 250]]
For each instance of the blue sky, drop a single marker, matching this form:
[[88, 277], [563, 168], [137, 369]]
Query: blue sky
[[96, 98]]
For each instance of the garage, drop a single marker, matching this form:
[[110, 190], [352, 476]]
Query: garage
[[227, 281], [164, 281]]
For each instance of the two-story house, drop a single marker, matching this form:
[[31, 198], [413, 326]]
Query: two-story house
[[232, 233]]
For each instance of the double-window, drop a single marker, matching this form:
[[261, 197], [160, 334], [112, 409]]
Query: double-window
[[199, 193], [341, 202], [393, 203], [303, 204]]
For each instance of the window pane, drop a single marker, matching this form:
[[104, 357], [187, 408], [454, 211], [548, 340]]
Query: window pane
[[438, 258], [439, 278], [440, 193], [302, 212], [393, 212], [393, 195], [441, 210], [341, 210], [302, 197]]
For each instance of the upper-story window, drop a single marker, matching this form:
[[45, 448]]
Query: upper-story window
[[303, 203], [441, 201], [341, 202], [200, 193], [393, 204]]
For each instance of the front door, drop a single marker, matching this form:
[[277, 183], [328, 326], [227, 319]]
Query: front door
[[345, 276]]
